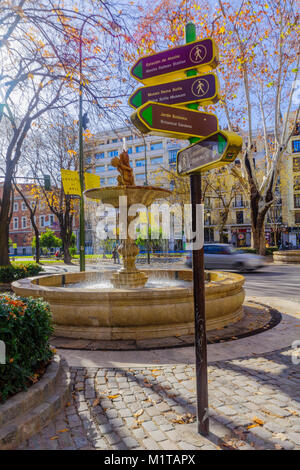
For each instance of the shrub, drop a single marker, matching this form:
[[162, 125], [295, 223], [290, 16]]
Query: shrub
[[25, 328], [14, 271]]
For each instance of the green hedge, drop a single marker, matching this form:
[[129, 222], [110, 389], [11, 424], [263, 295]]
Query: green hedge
[[15, 271], [25, 329]]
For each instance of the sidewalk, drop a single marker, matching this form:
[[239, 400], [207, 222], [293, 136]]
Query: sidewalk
[[124, 401]]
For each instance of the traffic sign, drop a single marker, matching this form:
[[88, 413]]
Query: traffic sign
[[161, 67], [211, 152], [202, 89], [174, 121]]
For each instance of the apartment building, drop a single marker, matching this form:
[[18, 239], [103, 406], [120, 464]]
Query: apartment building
[[20, 229]]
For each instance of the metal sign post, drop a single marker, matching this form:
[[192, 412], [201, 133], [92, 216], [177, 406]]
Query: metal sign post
[[199, 295]]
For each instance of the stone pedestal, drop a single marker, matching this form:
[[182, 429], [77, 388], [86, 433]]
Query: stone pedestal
[[128, 277]]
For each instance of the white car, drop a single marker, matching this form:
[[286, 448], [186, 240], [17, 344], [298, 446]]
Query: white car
[[228, 258]]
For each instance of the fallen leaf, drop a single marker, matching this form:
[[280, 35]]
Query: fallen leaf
[[138, 413], [96, 401], [258, 421], [54, 437], [64, 430], [112, 397]]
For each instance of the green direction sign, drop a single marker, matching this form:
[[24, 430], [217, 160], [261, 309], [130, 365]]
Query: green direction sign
[[172, 63], [174, 121], [202, 89], [211, 152]]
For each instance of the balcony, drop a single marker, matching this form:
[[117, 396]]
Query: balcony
[[240, 204]]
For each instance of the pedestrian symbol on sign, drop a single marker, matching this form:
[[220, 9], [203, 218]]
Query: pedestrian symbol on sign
[[200, 87], [198, 54]]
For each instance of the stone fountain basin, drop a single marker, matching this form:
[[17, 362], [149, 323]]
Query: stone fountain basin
[[134, 313], [286, 257]]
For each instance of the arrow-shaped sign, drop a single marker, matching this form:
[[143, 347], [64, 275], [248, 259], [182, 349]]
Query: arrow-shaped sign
[[163, 66], [202, 89], [173, 121], [211, 152]]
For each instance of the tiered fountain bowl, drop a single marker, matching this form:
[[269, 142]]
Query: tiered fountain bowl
[[133, 304]]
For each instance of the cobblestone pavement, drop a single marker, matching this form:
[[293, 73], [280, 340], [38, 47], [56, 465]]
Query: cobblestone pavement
[[254, 404]]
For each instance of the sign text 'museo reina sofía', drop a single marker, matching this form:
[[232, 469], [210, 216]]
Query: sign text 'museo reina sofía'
[[203, 89], [210, 152], [172, 63]]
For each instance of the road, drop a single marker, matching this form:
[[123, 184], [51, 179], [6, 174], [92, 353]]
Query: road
[[281, 281]]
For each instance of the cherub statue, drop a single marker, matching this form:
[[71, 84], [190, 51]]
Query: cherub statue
[[122, 164]]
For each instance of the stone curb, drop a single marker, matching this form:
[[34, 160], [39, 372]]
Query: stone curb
[[28, 412]]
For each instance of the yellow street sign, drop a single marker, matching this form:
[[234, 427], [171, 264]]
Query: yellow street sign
[[211, 152], [172, 64], [91, 181], [70, 181]]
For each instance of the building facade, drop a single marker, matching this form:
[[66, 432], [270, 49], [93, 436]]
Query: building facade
[[21, 232]]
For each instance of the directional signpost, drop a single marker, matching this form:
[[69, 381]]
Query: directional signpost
[[174, 121], [202, 89], [211, 152], [171, 64], [210, 147]]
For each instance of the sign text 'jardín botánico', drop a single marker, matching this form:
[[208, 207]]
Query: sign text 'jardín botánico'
[[173, 121]]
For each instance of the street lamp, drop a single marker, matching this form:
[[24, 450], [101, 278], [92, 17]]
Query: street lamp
[[82, 124]]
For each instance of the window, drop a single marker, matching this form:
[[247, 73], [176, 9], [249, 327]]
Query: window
[[297, 201], [16, 223], [140, 162], [23, 206], [297, 217], [42, 221], [114, 141], [140, 148], [32, 204], [100, 169], [88, 160], [99, 156], [296, 164], [112, 181], [16, 207], [296, 146], [102, 181], [157, 161], [113, 153], [297, 183], [217, 249], [51, 220], [173, 155], [24, 222], [156, 146], [111, 168], [129, 150], [240, 217], [129, 137]]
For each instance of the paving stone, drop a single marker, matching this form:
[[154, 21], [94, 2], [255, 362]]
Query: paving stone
[[130, 443]]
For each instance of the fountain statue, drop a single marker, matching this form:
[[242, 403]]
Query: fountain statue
[[128, 276], [132, 304]]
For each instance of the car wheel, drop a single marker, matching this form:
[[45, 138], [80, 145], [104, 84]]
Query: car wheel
[[240, 267]]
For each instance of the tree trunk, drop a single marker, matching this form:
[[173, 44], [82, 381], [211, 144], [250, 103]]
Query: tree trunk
[[259, 238], [37, 245], [4, 222], [66, 243]]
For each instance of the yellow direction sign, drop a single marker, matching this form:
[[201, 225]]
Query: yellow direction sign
[[173, 121], [91, 181], [202, 89], [70, 181], [172, 63], [211, 152]]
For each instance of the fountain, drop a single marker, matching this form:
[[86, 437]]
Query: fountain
[[133, 304]]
